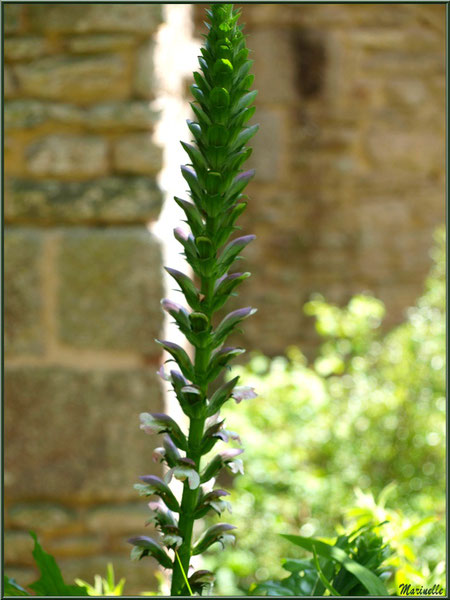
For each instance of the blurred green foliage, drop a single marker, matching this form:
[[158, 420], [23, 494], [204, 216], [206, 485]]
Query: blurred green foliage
[[353, 564], [103, 586], [368, 413]]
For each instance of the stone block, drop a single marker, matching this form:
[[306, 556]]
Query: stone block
[[75, 545], [111, 116], [9, 82], [112, 200], [18, 548], [40, 516], [110, 289], [67, 154], [13, 155], [23, 292], [136, 154], [86, 78], [86, 44], [275, 69], [82, 442], [84, 18], [25, 47], [116, 520], [121, 116], [12, 17], [22, 575], [27, 113], [394, 147], [144, 83], [408, 93], [268, 145]]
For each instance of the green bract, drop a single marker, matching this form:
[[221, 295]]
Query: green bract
[[216, 183]]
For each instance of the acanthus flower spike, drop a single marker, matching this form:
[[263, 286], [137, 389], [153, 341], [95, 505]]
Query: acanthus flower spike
[[215, 181]]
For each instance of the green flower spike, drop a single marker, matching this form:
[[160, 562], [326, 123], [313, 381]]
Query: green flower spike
[[216, 180]]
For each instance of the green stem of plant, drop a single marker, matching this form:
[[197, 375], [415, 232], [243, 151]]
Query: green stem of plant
[[322, 577], [184, 575], [196, 427]]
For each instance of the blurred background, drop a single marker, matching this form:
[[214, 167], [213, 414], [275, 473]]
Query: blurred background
[[348, 194]]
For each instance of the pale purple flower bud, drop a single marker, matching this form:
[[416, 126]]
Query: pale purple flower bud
[[161, 372], [180, 233], [158, 454], [169, 305], [243, 392]]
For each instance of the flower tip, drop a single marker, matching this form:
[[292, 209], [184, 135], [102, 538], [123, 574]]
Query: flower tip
[[180, 233], [247, 174]]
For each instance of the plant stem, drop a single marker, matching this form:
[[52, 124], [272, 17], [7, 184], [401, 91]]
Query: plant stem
[[196, 427], [188, 503]]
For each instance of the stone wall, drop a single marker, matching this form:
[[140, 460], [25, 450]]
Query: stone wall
[[83, 283], [349, 159]]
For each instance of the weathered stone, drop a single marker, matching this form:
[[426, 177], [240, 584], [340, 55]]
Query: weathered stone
[[9, 82], [18, 548], [407, 93], [86, 78], [105, 200], [404, 62], [75, 545], [120, 116], [275, 53], [137, 153], [83, 18], [267, 146], [110, 289], [23, 301], [25, 114], [12, 17], [111, 116], [43, 516], [23, 48], [84, 442], [120, 519], [13, 155], [66, 154], [144, 81], [22, 575], [81, 44], [397, 147]]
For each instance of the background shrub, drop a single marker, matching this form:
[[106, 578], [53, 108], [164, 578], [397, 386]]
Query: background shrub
[[323, 440]]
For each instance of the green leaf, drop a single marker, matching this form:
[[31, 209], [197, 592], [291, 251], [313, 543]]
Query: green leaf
[[220, 396], [243, 137], [195, 155], [228, 323], [225, 286], [147, 546], [193, 216], [162, 423], [187, 287], [294, 585], [180, 356], [370, 581], [154, 485], [51, 582], [271, 588], [244, 101], [230, 252], [215, 533], [12, 588]]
